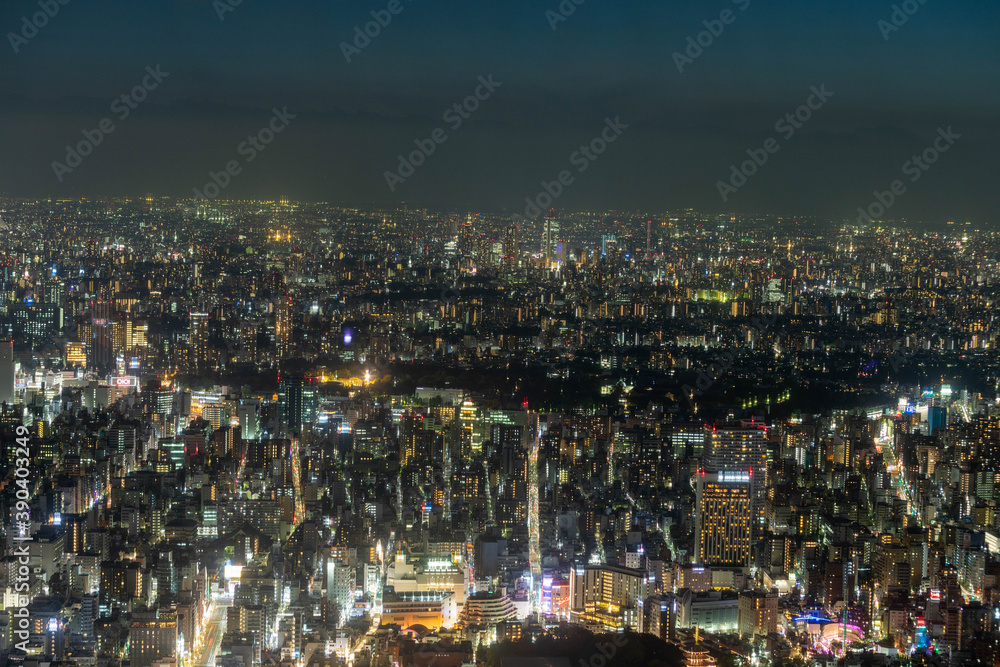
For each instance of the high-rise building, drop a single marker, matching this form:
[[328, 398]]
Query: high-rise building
[[607, 592], [283, 324], [198, 341], [7, 371], [153, 635], [758, 613], [511, 246], [722, 518], [741, 448], [550, 239], [249, 420], [101, 348], [34, 322], [76, 354], [297, 401]]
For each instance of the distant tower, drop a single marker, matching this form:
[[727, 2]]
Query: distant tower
[[7, 371], [103, 349], [511, 246], [550, 239], [198, 341], [283, 324]]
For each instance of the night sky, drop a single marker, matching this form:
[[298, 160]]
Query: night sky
[[610, 58]]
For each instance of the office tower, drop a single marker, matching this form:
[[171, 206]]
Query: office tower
[[340, 581], [198, 341], [608, 591], [7, 371], [297, 402], [249, 420], [54, 293], [283, 324], [550, 239], [121, 334], [466, 239], [35, 322], [76, 355], [369, 438], [102, 349], [609, 243], [248, 342], [413, 441], [985, 433], [511, 246], [153, 635], [758, 613], [741, 447], [722, 518]]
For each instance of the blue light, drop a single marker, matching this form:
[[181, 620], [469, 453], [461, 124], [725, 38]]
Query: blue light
[[812, 619]]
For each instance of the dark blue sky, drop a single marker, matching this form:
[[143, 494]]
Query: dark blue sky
[[610, 58]]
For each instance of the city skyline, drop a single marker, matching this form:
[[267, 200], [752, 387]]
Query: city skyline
[[562, 333]]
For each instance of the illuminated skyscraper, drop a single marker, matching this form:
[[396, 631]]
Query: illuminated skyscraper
[[722, 518], [198, 341], [550, 239], [511, 246], [297, 402], [283, 324], [741, 447], [7, 371], [153, 635], [101, 348]]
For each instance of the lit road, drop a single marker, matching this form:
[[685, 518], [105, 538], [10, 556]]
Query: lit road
[[534, 528], [894, 466], [212, 641], [300, 502]]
